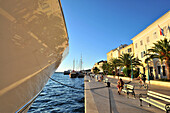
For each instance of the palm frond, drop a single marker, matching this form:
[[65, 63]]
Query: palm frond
[[161, 50]]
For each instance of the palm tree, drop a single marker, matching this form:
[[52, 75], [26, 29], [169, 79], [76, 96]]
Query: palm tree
[[96, 70], [114, 63], [105, 68], [161, 50], [126, 60]]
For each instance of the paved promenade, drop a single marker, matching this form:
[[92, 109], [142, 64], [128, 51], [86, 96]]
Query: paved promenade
[[102, 99]]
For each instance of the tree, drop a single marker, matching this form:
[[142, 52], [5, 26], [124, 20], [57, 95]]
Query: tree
[[96, 70], [161, 50], [105, 68], [126, 60], [114, 63]]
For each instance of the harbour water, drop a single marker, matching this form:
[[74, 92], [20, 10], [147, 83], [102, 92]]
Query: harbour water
[[57, 98]]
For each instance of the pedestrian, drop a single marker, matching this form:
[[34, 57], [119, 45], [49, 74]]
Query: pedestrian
[[101, 77], [96, 77], [140, 77], [144, 78], [118, 75], [120, 84]]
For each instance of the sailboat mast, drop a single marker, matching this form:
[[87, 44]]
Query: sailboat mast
[[73, 64], [77, 66], [81, 63]]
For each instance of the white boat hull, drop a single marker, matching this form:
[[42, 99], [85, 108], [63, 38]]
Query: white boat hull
[[33, 42]]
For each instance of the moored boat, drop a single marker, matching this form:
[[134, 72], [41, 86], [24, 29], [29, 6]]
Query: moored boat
[[67, 72], [73, 74], [80, 74], [33, 43]]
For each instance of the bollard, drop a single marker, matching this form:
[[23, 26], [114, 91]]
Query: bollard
[[108, 84]]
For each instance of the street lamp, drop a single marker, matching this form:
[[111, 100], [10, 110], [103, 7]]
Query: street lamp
[[147, 64], [131, 68], [148, 71]]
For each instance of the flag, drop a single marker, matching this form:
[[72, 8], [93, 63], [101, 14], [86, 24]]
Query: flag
[[161, 31]]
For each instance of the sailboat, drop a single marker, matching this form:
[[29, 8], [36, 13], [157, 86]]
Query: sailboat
[[81, 74], [73, 73], [33, 42], [67, 72]]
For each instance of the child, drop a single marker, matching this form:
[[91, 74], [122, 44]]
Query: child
[[120, 85]]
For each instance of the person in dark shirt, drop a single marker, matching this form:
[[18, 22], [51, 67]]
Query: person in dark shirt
[[144, 78]]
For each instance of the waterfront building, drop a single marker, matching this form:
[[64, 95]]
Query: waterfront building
[[126, 49], [99, 66], [143, 41], [115, 53]]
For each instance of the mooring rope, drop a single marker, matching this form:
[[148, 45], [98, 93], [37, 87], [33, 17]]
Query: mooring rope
[[62, 83], [73, 86], [65, 84]]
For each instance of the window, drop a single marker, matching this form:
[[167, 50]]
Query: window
[[136, 45], [154, 35], [129, 50], [142, 54], [147, 39], [141, 42]]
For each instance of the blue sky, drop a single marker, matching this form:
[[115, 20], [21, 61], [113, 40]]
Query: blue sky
[[97, 26]]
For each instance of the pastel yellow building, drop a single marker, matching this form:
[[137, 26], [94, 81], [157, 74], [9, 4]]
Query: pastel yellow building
[[127, 49], [145, 39], [115, 53], [99, 66]]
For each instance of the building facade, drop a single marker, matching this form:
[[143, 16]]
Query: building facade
[[115, 53], [127, 49], [143, 41], [99, 66]]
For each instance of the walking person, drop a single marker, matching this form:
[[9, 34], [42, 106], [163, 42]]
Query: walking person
[[101, 77], [140, 78], [96, 77], [118, 74], [120, 84], [143, 78]]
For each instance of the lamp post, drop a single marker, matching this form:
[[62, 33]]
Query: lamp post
[[147, 64], [131, 68], [148, 72]]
